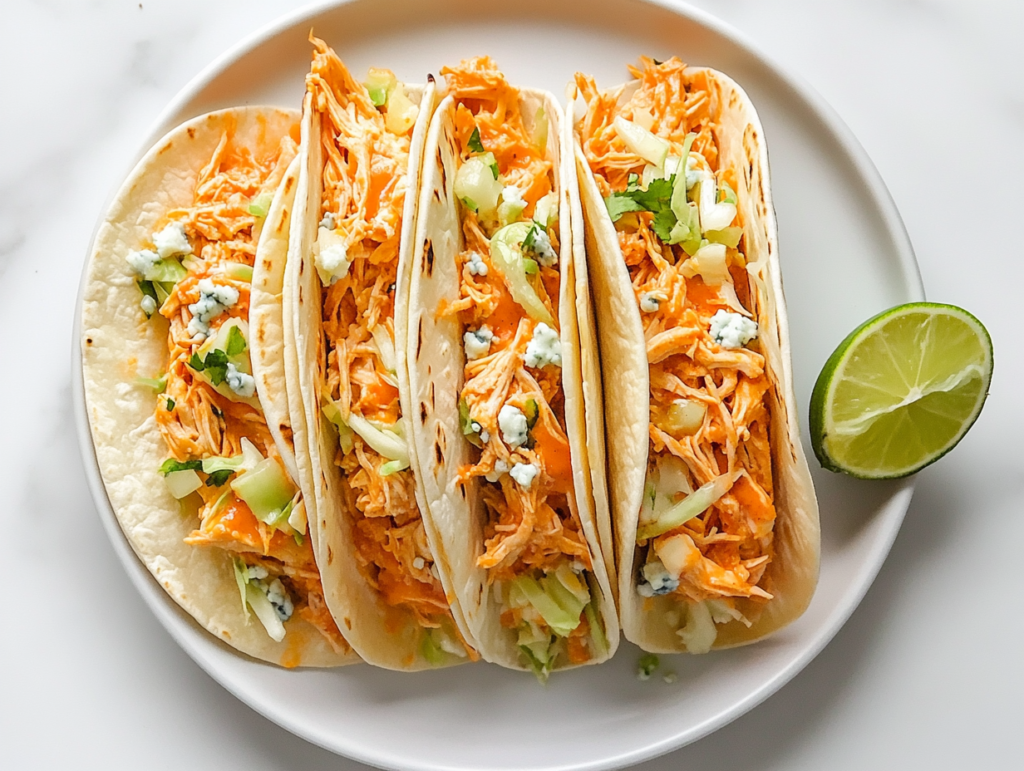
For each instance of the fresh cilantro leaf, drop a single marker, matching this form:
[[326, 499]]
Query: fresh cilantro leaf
[[171, 465], [531, 234], [663, 223], [196, 363], [475, 145], [657, 196], [632, 182], [236, 342], [218, 478], [216, 365], [620, 203]]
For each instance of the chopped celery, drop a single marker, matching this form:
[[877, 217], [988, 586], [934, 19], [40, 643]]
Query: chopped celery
[[393, 466], [265, 489], [168, 270], [691, 506], [260, 205], [379, 84], [541, 668], [540, 130], [158, 384], [488, 160], [545, 213], [646, 665], [642, 142], [530, 266], [729, 236], [238, 271], [510, 263], [333, 414], [561, 621], [431, 649], [710, 262], [242, 579], [477, 188], [466, 423], [388, 442], [265, 612], [183, 483], [297, 517], [597, 633], [401, 112], [726, 194]]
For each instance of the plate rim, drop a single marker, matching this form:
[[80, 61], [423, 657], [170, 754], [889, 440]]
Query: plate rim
[[185, 632]]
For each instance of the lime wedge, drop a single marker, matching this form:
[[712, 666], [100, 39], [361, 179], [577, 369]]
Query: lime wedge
[[900, 391]]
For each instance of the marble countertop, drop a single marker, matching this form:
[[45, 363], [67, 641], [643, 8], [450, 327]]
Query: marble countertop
[[926, 673]]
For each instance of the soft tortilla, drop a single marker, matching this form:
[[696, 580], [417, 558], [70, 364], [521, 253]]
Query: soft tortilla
[[119, 343], [793, 572], [434, 351], [382, 634]]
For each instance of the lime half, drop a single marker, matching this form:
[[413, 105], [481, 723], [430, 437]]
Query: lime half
[[900, 391]]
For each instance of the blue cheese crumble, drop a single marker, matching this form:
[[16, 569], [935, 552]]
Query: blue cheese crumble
[[513, 425], [478, 343], [240, 382], [500, 469], [476, 265], [545, 348], [650, 301], [214, 299], [524, 474], [657, 581], [171, 241], [279, 598], [731, 330], [148, 305], [142, 261], [541, 246]]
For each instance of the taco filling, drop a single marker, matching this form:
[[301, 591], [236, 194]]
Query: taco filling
[[705, 534], [366, 132], [196, 273], [512, 403]]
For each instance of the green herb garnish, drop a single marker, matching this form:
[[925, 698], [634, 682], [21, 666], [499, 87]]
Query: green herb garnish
[[475, 145], [171, 465]]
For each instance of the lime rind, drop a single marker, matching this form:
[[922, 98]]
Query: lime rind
[[902, 431]]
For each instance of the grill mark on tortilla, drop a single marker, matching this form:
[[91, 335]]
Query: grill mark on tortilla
[[191, 132], [419, 339], [428, 257], [284, 217], [423, 412], [330, 552]]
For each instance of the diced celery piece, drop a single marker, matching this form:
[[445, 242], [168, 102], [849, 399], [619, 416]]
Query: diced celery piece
[[729, 236], [260, 205], [333, 413], [158, 384], [238, 271], [642, 142], [431, 648], [387, 443], [691, 506], [183, 483], [168, 270], [545, 213], [401, 112], [379, 84], [476, 187], [265, 489], [510, 263], [265, 612], [490, 162], [392, 467], [555, 616]]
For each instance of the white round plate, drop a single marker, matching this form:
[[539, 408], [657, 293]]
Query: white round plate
[[845, 256]]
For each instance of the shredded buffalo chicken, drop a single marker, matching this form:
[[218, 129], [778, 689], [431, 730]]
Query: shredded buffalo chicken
[[728, 547], [530, 529], [197, 421], [365, 183]]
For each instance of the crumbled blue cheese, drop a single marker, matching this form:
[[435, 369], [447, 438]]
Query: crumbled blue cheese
[[485, 436], [142, 261], [171, 241], [541, 246], [148, 305], [650, 301], [500, 469], [478, 342], [332, 263], [694, 171], [419, 563], [544, 348], [279, 598], [657, 581], [476, 265], [257, 572], [240, 382], [524, 474], [732, 330], [513, 425], [328, 221], [214, 299], [545, 213]]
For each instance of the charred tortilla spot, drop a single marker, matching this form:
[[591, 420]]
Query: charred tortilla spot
[[432, 404], [442, 441], [88, 341], [348, 623], [419, 339], [428, 258], [437, 195], [440, 165], [330, 555], [462, 489], [288, 184], [191, 132], [440, 454], [423, 412], [283, 221]]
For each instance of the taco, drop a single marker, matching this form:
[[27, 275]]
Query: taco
[[715, 516], [183, 369], [497, 380], [354, 216]]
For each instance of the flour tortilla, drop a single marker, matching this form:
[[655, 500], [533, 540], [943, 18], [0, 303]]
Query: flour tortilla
[[382, 634], [119, 344], [434, 351], [793, 572]]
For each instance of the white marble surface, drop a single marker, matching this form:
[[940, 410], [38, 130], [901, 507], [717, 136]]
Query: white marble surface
[[927, 673]]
